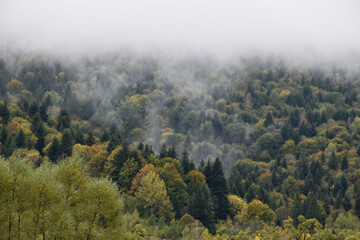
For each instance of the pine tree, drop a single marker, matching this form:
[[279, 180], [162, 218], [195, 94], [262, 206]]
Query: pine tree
[[40, 134], [20, 139], [295, 118], [63, 121], [9, 146], [4, 112], [54, 150], [105, 136], [201, 208], [311, 208], [172, 153], [333, 162], [346, 202], [43, 112], [338, 201], [344, 163], [115, 140], [163, 152], [296, 209], [322, 158], [219, 191], [185, 162], [268, 120], [3, 135], [67, 143], [90, 140]]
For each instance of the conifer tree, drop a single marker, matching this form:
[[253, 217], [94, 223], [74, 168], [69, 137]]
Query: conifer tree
[[105, 136], [346, 202], [43, 112], [54, 150], [40, 134], [172, 153], [90, 140], [296, 209], [63, 120], [333, 162], [268, 120], [201, 207], [185, 162], [20, 139], [4, 112], [163, 152], [3, 135], [344, 163], [115, 140], [67, 143], [338, 201], [219, 191]]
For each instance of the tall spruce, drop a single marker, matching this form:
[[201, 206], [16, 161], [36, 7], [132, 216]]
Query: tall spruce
[[20, 139], [67, 143], [333, 162], [219, 190], [201, 208]]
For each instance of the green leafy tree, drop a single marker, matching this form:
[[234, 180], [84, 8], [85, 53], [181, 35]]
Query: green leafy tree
[[152, 196]]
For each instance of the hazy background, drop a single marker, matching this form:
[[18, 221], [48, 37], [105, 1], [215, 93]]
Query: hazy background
[[321, 28]]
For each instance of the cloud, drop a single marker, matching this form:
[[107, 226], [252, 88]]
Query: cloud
[[220, 27]]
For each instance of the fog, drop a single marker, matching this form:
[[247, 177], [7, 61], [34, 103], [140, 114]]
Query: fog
[[316, 28]]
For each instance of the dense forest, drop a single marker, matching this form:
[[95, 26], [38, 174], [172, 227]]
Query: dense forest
[[136, 146]]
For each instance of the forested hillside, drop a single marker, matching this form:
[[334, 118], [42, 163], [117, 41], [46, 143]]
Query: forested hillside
[[135, 146]]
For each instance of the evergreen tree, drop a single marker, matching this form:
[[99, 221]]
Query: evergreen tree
[[295, 118], [63, 120], [20, 139], [333, 162], [311, 208], [78, 136], [115, 141], [3, 135], [251, 193], [296, 209], [67, 143], [163, 152], [43, 112], [338, 201], [346, 202], [9, 146], [201, 208], [4, 112], [172, 153], [105, 136], [268, 120], [185, 162], [40, 134], [322, 157], [344, 163], [54, 150], [219, 191], [4, 78], [90, 140]]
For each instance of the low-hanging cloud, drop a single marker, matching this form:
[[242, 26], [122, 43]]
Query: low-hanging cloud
[[220, 27]]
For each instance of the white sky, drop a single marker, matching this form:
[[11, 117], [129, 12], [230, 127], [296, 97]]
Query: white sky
[[215, 26]]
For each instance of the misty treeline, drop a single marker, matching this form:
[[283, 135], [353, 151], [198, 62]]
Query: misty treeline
[[128, 146]]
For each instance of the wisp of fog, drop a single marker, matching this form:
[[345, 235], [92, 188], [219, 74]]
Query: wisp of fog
[[218, 27]]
